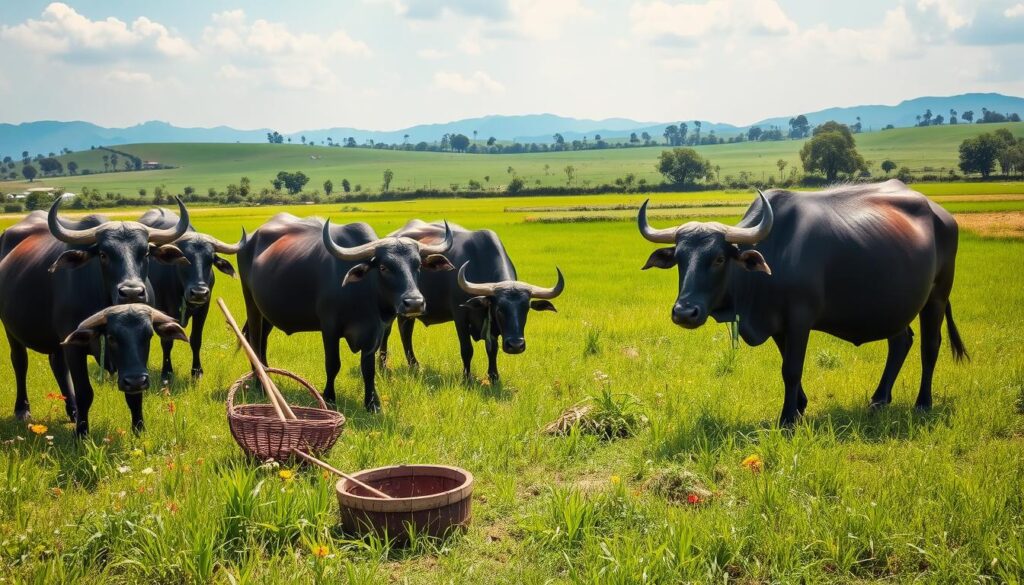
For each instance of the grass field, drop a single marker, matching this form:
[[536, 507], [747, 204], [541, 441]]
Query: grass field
[[216, 165], [849, 496]]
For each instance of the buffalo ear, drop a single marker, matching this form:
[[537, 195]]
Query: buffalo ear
[[168, 254], [224, 266], [72, 259], [543, 305], [436, 263], [170, 330], [356, 273], [477, 303], [80, 337], [753, 261], [661, 258]]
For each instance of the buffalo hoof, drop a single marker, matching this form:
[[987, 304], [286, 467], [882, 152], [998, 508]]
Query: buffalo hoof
[[197, 374], [382, 360], [788, 421], [373, 406], [877, 405], [494, 377], [923, 407], [71, 412], [23, 415]]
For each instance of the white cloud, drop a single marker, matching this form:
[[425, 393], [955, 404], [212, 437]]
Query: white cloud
[[545, 19], [895, 37], [680, 64], [63, 32], [663, 21], [946, 10], [130, 77], [271, 52], [1015, 11], [431, 54], [478, 82]]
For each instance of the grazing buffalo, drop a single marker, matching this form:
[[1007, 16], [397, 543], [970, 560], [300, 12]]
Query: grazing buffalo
[[183, 291], [54, 273], [307, 275], [484, 300], [125, 331], [859, 262]]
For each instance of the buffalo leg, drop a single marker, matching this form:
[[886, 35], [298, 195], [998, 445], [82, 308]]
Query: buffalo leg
[[60, 373], [134, 401], [195, 340], [19, 361], [332, 365], [368, 366], [79, 368], [466, 347], [167, 370], [405, 327], [780, 342], [931, 341], [265, 338], [899, 347], [383, 351], [792, 373], [492, 359]]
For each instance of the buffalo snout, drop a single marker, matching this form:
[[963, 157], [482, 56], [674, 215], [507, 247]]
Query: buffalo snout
[[131, 292], [688, 315], [514, 345], [133, 384], [413, 306], [199, 294]]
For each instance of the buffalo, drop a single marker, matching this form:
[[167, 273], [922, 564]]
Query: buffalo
[[859, 262], [485, 299], [307, 275], [183, 290], [54, 273]]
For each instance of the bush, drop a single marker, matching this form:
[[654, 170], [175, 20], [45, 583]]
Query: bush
[[515, 185], [13, 207]]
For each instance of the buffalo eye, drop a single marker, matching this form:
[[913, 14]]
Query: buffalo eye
[[719, 260], [383, 269], [103, 256]]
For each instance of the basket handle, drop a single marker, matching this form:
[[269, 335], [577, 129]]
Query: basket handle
[[277, 371]]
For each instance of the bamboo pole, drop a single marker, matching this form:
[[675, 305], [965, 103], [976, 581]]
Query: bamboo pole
[[276, 398], [376, 492]]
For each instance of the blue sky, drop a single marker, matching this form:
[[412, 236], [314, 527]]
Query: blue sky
[[385, 64]]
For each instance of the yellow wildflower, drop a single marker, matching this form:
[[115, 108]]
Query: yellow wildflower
[[286, 474], [753, 463], [38, 429], [320, 551]]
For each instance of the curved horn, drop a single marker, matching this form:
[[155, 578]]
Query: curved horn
[[662, 236], [356, 254], [753, 235], [537, 292], [166, 236], [68, 235], [222, 248], [97, 320], [480, 290], [157, 316], [427, 249]]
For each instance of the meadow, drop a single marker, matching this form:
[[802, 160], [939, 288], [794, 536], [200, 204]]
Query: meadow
[[847, 496], [202, 166]]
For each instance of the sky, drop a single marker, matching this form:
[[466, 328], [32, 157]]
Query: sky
[[388, 64]]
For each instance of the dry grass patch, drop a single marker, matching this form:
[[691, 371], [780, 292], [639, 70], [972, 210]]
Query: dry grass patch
[[1008, 224]]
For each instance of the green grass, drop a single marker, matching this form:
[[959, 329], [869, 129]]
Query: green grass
[[849, 496], [216, 165]]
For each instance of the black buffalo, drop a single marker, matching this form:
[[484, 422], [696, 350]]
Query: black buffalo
[[55, 273], [126, 331], [858, 262], [307, 275], [183, 290], [484, 299]]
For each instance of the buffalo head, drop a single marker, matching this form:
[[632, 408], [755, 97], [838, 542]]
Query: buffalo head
[[122, 248], [196, 275], [396, 263], [126, 330], [509, 302], [706, 253]]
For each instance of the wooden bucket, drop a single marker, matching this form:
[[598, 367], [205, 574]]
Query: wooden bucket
[[433, 500]]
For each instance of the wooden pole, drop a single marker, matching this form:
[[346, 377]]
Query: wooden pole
[[376, 492], [276, 399]]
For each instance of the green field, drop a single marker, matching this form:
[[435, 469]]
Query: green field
[[216, 165], [849, 496]]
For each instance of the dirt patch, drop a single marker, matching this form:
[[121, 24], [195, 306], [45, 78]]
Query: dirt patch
[[1008, 224], [678, 486], [976, 198]]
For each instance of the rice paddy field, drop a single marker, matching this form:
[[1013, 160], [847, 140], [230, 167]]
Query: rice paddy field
[[705, 489]]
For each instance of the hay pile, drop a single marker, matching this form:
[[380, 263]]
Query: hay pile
[[605, 416]]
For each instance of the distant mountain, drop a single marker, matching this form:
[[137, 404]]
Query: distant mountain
[[52, 136]]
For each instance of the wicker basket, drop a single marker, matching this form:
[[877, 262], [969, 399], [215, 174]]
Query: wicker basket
[[263, 435]]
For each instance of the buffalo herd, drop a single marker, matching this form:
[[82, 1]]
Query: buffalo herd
[[859, 262]]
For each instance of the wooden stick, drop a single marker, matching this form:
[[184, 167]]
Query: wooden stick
[[376, 492], [276, 398]]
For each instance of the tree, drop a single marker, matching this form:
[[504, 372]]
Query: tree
[[515, 185], [633, 138], [72, 167], [29, 172], [491, 141], [952, 117], [328, 187], [570, 174], [189, 191], [888, 166], [113, 162], [388, 176], [646, 137], [782, 167], [293, 182], [459, 142], [979, 154], [142, 192], [345, 185], [799, 127], [671, 134], [754, 133], [106, 162], [682, 166], [831, 151], [50, 165], [968, 115]]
